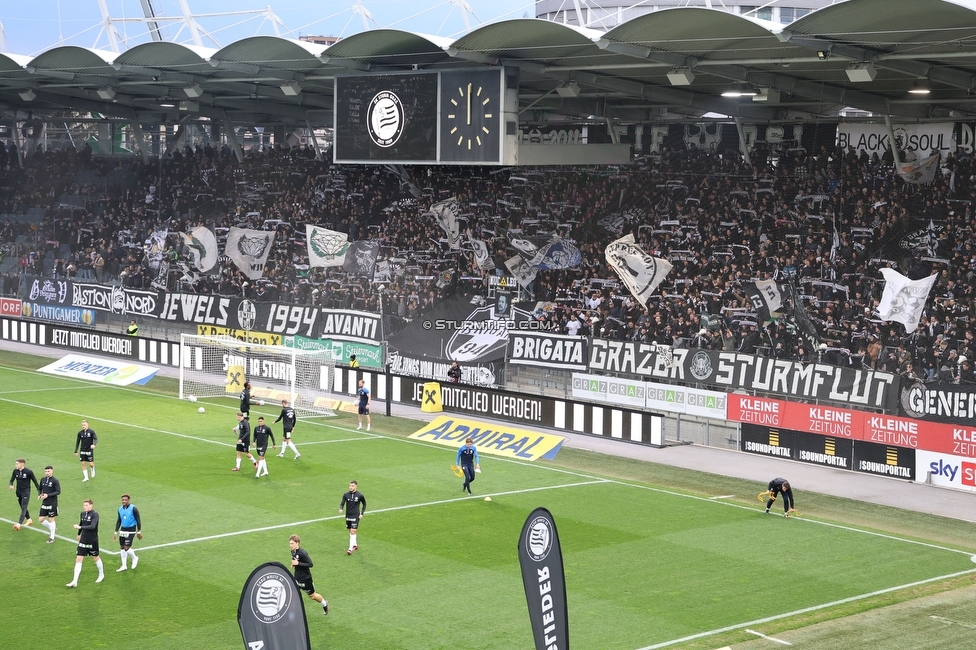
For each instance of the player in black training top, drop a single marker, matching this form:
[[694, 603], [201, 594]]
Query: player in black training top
[[87, 528], [355, 504], [288, 426], [301, 563], [49, 490], [781, 486], [85, 446], [246, 402], [243, 431], [24, 477], [261, 434]]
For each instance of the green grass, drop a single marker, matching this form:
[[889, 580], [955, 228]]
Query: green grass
[[649, 557]]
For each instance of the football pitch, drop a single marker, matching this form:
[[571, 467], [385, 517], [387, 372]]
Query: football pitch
[[654, 557]]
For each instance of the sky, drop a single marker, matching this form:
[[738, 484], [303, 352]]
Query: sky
[[32, 27]]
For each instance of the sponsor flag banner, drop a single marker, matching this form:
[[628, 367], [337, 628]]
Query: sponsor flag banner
[[481, 254], [640, 272], [523, 272], [48, 291], [263, 338], [271, 613], [103, 371], [115, 299], [202, 244], [766, 298], [361, 258], [11, 307], [58, 314], [445, 214], [249, 250], [367, 354], [557, 254], [903, 300], [326, 247], [919, 172], [496, 439], [541, 560]]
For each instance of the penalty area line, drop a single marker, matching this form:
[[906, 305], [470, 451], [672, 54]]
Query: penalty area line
[[44, 531], [410, 506], [807, 610]]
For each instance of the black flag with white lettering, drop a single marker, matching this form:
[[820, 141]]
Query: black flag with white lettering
[[545, 584], [271, 612]]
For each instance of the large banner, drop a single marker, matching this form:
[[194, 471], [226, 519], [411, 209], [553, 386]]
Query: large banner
[[548, 350], [544, 581], [517, 407], [101, 370], [47, 290], [873, 138], [369, 355], [946, 470], [114, 299], [491, 438], [633, 393], [102, 343], [58, 314], [11, 307], [733, 371], [941, 402]]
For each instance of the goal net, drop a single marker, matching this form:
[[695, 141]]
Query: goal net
[[218, 366]]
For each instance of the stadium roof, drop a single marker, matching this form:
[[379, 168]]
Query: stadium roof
[[670, 64]]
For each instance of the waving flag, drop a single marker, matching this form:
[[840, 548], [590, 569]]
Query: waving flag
[[766, 298], [903, 300], [249, 250], [640, 272], [446, 214], [557, 254], [919, 172], [481, 254], [202, 246], [326, 247]]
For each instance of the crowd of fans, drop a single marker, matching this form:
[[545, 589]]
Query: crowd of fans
[[720, 222]]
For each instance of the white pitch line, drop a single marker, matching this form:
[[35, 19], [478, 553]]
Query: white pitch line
[[724, 496], [949, 621], [326, 442], [121, 424], [768, 638], [377, 511], [44, 531], [43, 390], [806, 610]]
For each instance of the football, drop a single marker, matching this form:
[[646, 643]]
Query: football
[[192, 398], [260, 402], [201, 410], [487, 498]]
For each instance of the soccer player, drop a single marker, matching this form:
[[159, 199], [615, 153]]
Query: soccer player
[[86, 441], [363, 395], [355, 504], [467, 458], [87, 528], [288, 426], [261, 434], [303, 577], [49, 490], [781, 486], [24, 478], [243, 431], [127, 526], [246, 402]]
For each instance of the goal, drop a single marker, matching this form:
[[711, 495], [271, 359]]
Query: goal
[[218, 366]]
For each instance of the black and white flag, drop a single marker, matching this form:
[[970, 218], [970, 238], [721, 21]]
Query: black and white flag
[[155, 247], [640, 272], [544, 580], [446, 214], [481, 254], [523, 245], [201, 243], [326, 247], [766, 297], [361, 258], [524, 274], [903, 300], [271, 613], [249, 250]]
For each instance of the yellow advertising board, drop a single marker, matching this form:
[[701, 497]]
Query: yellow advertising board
[[491, 438], [261, 338]]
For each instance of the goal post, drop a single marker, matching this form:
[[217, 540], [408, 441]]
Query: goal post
[[218, 366]]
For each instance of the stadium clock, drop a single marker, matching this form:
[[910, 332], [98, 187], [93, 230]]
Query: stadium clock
[[470, 115]]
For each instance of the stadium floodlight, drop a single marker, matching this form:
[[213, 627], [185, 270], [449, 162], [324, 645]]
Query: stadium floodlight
[[193, 91], [681, 76], [740, 90], [106, 93], [28, 95], [291, 88], [861, 72], [217, 366]]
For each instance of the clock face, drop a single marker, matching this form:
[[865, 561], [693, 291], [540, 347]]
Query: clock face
[[470, 115]]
